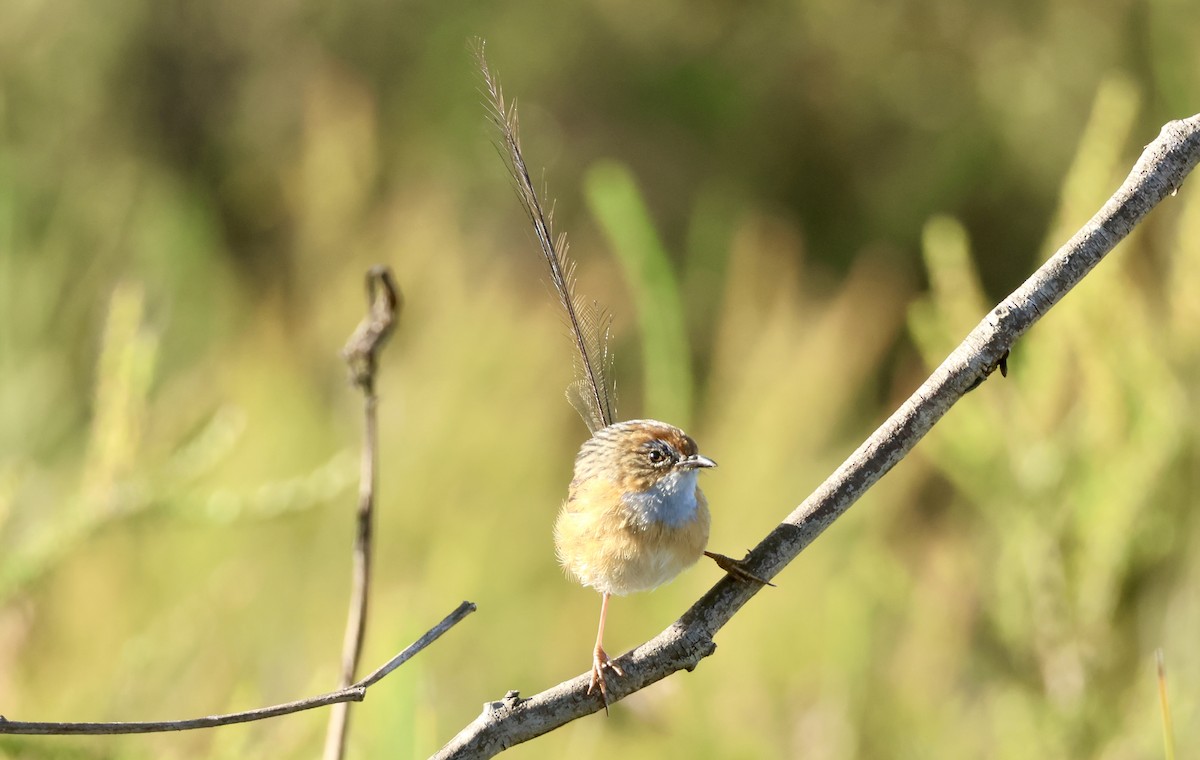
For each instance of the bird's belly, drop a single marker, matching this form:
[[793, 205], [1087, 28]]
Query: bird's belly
[[615, 555]]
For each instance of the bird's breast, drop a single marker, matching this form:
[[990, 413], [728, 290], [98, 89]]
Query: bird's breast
[[621, 543]]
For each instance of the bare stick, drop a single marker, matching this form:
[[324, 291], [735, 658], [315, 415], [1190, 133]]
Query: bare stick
[[354, 693], [1158, 173], [362, 354]]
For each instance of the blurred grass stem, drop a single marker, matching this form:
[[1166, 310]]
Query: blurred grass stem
[[1165, 704]]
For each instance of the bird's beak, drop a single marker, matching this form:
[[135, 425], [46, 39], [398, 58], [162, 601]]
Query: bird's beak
[[695, 462]]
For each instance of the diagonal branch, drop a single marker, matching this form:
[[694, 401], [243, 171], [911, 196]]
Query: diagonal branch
[[362, 354], [353, 693], [1159, 172]]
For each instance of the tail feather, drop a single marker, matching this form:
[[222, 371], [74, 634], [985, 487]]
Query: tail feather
[[592, 393]]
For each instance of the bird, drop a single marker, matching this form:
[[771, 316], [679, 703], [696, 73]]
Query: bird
[[634, 516]]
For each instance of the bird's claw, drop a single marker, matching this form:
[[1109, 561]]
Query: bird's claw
[[600, 661], [736, 568]]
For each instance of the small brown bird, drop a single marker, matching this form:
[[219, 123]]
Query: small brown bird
[[634, 515]]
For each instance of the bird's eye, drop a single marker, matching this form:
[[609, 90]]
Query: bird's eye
[[657, 456]]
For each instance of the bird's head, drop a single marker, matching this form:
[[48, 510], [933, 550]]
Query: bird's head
[[639, 455]]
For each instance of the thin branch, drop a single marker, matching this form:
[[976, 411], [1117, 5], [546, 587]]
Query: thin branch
[[362, 354], [1158, 173], [354, 693]]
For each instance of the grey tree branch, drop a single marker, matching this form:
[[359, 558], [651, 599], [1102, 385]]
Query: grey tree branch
[[362, 355], [1159, 172], [353, 693]]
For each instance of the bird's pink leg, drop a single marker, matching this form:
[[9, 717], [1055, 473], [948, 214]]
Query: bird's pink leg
[[600, 658]]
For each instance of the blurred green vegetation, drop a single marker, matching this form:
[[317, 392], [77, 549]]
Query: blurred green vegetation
[[819, 198]]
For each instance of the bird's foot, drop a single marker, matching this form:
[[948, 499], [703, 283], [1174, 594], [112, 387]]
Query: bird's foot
[[600, 661], [736, 568]]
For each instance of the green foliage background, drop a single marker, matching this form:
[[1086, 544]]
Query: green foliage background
[[792, 208]]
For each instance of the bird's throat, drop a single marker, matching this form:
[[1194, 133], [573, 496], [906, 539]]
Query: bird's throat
[[670, 502]]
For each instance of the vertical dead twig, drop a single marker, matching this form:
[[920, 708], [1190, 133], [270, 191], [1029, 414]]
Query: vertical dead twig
[[362, 354]]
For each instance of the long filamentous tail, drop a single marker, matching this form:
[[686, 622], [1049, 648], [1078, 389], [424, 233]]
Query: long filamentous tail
[[591, 394]]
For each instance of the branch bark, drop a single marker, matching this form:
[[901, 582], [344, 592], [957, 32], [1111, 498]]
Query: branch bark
[[1159, 172]]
